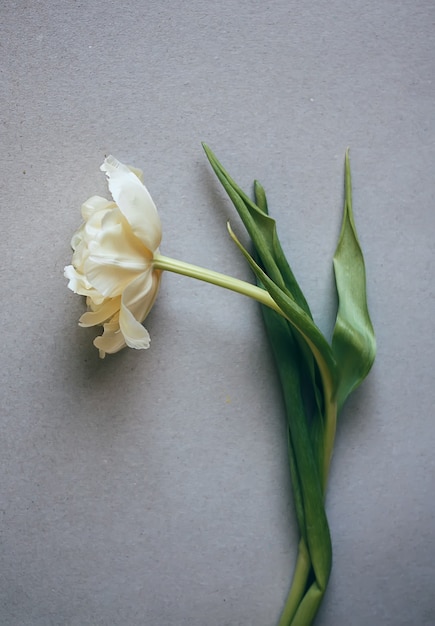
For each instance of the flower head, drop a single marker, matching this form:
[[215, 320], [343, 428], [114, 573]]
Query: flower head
[[112, 263]]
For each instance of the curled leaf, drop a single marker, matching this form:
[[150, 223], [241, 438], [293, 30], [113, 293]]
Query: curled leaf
[[353, 341]]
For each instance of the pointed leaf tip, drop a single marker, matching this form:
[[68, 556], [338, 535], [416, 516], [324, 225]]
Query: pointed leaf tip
[[353, 342]]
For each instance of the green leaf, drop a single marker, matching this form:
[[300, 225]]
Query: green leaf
[[286, 355], [309, 374], [298, 318], [318, 538], [304, 362], [353, 341], [262, 230], [306, 481], [271, 258]]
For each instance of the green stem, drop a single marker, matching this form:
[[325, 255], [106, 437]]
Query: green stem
[[298, 586], [215, 278], [307, 609]]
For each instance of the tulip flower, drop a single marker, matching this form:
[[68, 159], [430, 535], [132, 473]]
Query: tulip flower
[[112, 261]]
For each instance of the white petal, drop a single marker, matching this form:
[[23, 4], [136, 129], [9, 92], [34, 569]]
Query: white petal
[[135, 335], [92, 226], [109, 280], [138, 296], [115, 257], [77, 238], [116, 242], [94, 204], [109, 343], [137, 172], [134, 201], [101, 313], [79, 284]]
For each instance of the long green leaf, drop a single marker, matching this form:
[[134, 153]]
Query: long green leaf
[[309, 371], [296, 370], [305, 475], [284, 348], [353, 341], [316, 523], [271, 258], [262, 230], [293, 312], [299, 352]]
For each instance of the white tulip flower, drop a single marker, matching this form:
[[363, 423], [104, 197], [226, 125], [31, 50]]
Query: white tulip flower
[[112, 263]]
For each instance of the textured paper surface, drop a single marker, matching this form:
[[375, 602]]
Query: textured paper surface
[[152, 488]]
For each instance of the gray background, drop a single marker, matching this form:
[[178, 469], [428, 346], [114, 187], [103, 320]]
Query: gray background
[[152, 487]]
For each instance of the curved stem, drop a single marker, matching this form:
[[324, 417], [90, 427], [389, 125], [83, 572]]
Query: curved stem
[[215, 278]]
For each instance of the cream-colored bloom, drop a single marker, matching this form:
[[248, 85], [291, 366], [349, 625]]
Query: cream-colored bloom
[[112, 263]]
